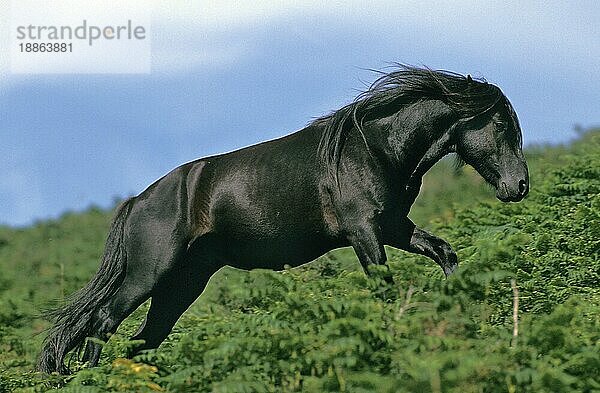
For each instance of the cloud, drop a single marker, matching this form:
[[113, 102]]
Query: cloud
[[176, 55], [211, 34], [229, 15]]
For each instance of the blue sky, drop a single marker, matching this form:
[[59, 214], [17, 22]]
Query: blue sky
[[231, 75]]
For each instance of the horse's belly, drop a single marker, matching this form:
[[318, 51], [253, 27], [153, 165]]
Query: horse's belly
[[249, 252], [259, 229]]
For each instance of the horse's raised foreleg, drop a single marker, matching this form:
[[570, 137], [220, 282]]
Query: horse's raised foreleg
[[413, 239], [424, 243]]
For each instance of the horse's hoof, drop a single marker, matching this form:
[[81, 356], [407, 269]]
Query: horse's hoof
[[389, 280], [448, 270]]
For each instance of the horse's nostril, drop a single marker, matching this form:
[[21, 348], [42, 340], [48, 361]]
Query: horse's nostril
[[522, 187]]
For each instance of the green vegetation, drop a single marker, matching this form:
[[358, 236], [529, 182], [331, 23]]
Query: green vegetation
[[326, 327]]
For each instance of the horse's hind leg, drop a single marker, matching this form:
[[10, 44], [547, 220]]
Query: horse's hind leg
[[150, 260], [109, 317], [172, 297]]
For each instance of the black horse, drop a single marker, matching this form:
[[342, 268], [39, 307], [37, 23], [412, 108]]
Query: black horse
[[347, 179]]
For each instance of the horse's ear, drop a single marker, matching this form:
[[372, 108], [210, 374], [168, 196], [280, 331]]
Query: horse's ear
[[469, 79]]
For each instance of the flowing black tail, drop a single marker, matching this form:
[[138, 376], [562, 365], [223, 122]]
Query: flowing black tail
[[78, 319]]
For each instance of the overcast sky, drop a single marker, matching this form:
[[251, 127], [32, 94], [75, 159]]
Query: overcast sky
[[229, 74]]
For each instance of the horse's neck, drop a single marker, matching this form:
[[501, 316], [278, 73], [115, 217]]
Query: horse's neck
[[424, 128], [441, 147], [437, 138]]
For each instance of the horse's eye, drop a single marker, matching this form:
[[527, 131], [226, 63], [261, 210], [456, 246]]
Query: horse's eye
[[501, 127]]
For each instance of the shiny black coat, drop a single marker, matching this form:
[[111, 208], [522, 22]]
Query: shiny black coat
[[348, 179]]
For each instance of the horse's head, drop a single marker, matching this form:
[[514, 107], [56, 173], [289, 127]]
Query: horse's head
[[492, 144]]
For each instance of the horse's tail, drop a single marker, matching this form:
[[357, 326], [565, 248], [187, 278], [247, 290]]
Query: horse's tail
[[77, 320]]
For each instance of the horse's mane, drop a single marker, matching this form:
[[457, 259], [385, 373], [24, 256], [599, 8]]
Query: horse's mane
[[466, 96]]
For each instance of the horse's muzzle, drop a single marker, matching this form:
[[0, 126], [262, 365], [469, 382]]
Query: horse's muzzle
[[512, 190]]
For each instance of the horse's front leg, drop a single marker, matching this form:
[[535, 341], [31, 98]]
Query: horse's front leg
[[424, 243], [366, 239], [410, 238]]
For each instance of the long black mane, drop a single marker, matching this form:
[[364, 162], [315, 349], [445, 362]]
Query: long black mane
[[468, 97]]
